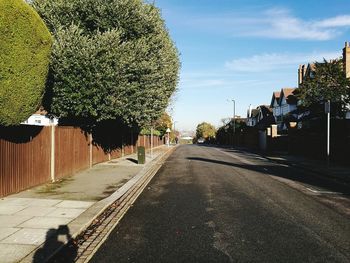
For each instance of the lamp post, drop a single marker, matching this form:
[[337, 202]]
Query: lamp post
[[327, 109], [152, 141], [234, 121]]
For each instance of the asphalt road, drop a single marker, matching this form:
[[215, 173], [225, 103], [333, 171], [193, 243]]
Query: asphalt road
[[218, 205]]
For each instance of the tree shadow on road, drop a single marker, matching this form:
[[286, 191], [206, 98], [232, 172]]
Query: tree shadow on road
[[290, 173]]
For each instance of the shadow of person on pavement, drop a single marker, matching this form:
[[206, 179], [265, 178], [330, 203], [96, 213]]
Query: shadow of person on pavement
[[55, 239]]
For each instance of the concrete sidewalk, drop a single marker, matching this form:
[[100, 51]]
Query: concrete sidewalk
[[61, 210]]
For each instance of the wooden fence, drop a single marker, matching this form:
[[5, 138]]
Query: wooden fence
[[39, 155]]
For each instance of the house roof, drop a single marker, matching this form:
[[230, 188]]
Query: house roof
[[267, 119], [275, 96], [265, 110], [255, 112], [288, 93]]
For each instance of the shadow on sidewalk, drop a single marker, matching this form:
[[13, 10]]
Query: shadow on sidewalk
[[53, 243]]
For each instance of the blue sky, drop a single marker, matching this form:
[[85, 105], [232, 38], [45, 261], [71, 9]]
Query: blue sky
[[246, 50]]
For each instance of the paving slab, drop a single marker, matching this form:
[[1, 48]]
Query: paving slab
[[27, 236], [44, 202], [36, 211], [7, 231], [11, 253], [66, 212], [45, 222], [16, 201], [12, 220], [74, 204], [10, 209]]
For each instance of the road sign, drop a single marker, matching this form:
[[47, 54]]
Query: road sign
[[327, 107]]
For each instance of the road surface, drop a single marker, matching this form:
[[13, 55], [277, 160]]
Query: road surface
[[208, 204]]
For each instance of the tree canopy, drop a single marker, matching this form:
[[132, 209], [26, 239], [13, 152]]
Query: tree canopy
[[327, 82], [205, 130], [163, 123], [112, 59], [25, 47]]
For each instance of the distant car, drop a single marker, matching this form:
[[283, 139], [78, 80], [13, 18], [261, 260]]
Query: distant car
[[200, 140]]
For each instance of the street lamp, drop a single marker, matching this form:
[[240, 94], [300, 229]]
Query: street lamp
[[327, 109], [234, 120], [234, 116]]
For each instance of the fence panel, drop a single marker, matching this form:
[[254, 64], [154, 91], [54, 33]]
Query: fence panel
[[71, 151], [24, 162], [117, 153], [98, 155], [25, 154]]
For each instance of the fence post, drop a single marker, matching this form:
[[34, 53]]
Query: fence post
[[132, 142], [90, 148], [52, 163], [123, 148], [152, 142]]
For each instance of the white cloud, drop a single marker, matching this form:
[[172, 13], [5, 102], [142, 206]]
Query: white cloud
[[281, 24], [276, 23], [274, 61], [338, 21]]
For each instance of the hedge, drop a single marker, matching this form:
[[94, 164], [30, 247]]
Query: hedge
[[25, 45]]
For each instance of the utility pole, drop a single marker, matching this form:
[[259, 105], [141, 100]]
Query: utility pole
[[327, 109], [234, 121], [152, 141]]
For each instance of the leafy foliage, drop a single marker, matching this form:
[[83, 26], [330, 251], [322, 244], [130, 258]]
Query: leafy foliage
[[163, 123], [145, 131], [205, 130], [328, 82], [25, 45], [226, 131], [112, 59]]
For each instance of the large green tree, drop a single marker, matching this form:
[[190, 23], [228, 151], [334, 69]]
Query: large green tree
[[112, 59], [205, 130], [25, 47], [326, 82]]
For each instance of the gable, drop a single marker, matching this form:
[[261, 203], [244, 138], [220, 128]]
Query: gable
[[275, 99], [284, 101]]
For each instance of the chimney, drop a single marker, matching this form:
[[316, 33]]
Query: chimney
[[300, 80], [346, 59], [301, 74]]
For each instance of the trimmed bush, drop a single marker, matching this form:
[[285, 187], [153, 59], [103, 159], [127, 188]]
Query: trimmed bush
[[111, 60], [25, 45]]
